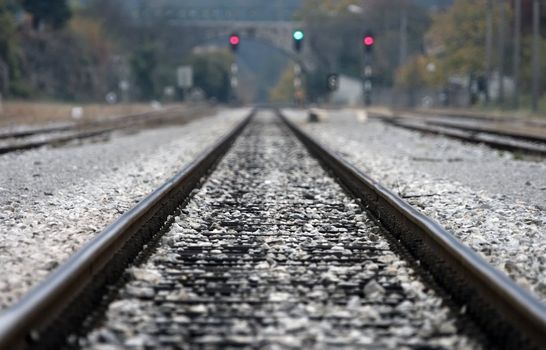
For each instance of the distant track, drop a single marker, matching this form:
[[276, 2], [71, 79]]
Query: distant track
[[29, 139], [471, 116], [510, 316], [505, 137]]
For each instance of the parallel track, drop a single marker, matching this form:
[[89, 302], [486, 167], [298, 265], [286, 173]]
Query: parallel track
[[493, 130], [507, 314], [483, 134], [473, 116], [42, 137]]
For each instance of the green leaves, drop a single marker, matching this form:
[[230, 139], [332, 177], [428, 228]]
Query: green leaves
[[211, 73]]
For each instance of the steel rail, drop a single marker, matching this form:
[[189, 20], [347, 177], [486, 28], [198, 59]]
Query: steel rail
[[31, 132], [51, 310], [84, 131], [470, 136], [471, 116], [489, 130], [55, 140], [509, 315], [96, 123]]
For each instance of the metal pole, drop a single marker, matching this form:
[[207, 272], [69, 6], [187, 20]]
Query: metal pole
[[488, 47], [367, 77], [4, 74], [297, 84], [517, 52], [403, 35], [502, 33], [536, 53], [234, 82]]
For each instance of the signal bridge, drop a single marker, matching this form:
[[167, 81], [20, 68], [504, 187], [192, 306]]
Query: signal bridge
[[277, 34]]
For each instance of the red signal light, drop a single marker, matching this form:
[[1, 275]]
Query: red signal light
[[234, 40], [368, 40]]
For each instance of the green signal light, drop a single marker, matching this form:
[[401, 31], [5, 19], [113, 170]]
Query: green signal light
[[298, 35]]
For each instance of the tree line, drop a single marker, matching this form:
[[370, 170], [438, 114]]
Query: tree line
[[421, 49], [72, 51]]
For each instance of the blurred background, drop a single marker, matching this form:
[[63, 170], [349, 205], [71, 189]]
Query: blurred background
[[483, 54]]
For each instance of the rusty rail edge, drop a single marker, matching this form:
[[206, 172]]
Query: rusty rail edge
[[510, 316], [48, 313], [487, 130], [102, 127], [457, 133], [470, 115], [94, 123]]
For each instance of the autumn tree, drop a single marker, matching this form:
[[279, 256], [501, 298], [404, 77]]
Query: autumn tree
[[334, 31], [10, 70], [457, 37], [457, 40], [143, 66], [7, 35], [211, 73], [284, 90]]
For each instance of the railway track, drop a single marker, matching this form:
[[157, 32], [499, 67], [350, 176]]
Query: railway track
[[51, 136], [504, 135], [271, 252], [474, 116]]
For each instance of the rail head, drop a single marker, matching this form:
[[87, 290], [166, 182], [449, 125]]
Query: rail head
[[517, 310], [24, 324]]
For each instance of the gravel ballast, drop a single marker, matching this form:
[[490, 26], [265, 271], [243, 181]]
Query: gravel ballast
[[53, 200], [488, 199], [271, 253]]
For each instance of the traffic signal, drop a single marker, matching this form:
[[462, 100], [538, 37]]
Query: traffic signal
[[333, 81], [298, 39], [234, 41], [368, 41]]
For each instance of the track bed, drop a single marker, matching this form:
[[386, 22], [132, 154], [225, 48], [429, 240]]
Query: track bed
[[272, 253]]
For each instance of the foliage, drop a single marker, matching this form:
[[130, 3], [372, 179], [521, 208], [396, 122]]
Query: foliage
[[7, 35], [335, 30], [143, 65], [70, 64], [56, 13], [419, 72], [316, 84], [527, 67], [457, 40], [284, 90], [211, 73], [458, 35], [93, 37], [9, 52]]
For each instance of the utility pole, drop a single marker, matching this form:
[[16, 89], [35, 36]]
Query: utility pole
[[298, 94], [403, 35], [536, 53], [4, 77], [4, 83], [502, 33], [488, 48], [517, 52]]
